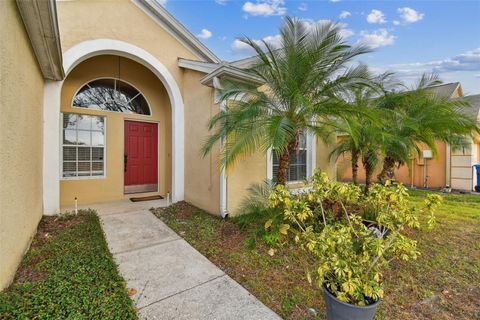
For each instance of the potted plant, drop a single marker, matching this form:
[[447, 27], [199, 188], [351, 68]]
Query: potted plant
[[351, 258]]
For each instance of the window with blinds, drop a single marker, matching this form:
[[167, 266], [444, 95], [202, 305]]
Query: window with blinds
[[297, 170], [83, 148]]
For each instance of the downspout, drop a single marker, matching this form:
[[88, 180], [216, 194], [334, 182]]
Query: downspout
[[413, 174], [425, 177], [223, 176], [223, 194], [448, 165]]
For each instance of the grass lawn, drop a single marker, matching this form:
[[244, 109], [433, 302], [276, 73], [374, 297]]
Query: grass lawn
[[444, 283], [68, 273]]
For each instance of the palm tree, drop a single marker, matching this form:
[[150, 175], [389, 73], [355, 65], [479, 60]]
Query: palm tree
[[420, 117], [372, 152], [348, 142], [362, 137], [301, 80], [362, 134]]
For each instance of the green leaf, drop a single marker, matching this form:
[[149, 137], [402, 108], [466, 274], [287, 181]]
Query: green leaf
[[284, 229], [268, 224]]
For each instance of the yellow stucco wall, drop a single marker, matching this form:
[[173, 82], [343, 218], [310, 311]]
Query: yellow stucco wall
[[21, 129], [110, 187], [87, 20], [252, 169], [120, 20], [202, 174], [323, 162]]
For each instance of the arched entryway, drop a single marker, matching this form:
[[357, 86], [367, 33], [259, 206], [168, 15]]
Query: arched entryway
[[52, 113]]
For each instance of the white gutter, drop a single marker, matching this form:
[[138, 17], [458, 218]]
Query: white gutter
[[205, 67], [227, 71], [40, 20]]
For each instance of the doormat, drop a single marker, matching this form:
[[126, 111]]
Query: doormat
[[149, 198]]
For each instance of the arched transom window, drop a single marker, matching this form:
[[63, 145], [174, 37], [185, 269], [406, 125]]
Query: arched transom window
[[111, 95]]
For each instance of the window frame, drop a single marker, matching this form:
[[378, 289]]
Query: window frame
[[110, 111], [62, 145], [310, 147]]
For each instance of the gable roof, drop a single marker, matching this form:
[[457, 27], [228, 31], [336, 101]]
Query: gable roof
[[474, 110], [157, 12], [446, 90], [245, 63]]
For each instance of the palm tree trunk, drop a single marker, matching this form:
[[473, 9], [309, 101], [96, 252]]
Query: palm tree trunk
[[355, 156], [388, 166], [284, 161], [368, 178], [369, 167]]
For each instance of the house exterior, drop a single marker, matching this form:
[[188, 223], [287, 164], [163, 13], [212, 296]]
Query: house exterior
[[96, 110], [451, 167]]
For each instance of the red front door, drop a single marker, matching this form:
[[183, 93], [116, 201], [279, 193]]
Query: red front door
[[141, 157]]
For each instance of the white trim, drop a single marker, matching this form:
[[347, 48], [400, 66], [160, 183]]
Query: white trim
[[270, 164], [223, 178], [52, 92], [162, 17], [205, 67], [448, 165], [311, 159], [311, 155], [41, 24], [51, 149], [230, 72], [104, 175], [115, 79]]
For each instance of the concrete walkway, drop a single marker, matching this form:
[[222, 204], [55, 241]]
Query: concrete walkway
[[172, 279]]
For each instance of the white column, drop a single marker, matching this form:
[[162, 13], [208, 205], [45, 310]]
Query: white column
[[51, 147]]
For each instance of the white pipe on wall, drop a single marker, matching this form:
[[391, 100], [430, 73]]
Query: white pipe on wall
[[448, 165]]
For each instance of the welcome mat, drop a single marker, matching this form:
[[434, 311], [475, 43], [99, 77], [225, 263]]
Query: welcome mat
[[149, 198]]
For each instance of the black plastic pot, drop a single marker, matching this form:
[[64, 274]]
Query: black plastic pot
[[339, 310]]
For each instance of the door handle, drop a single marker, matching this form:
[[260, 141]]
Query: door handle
[[125, 162]]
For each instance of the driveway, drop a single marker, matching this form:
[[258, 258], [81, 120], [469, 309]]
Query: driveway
[[172, 280]]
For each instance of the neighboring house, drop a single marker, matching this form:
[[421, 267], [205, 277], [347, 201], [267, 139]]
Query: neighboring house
[[452, 167], [105, 99]]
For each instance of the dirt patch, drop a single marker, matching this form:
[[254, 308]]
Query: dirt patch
[[231, 236], [48, 228], [183, 210]]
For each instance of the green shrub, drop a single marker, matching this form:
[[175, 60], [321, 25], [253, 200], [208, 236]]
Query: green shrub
[[256, 211], [352, 237]]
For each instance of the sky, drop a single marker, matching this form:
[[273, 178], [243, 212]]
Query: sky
[[408, 37]]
